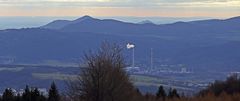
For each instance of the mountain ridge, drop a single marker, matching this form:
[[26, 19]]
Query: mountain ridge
[[58, 24], [90, 24]]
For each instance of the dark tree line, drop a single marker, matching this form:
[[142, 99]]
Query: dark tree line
[[161, 94], [230, 86], [31, 94]]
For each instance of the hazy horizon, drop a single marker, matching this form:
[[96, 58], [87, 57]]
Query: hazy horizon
[[9, 22], [34, 13]]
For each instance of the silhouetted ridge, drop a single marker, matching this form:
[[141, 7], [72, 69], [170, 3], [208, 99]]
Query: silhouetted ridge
[[234, 19], [146, 22], [86, 17], [58, 24]]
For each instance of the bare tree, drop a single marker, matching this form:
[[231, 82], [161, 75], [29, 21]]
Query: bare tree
[[104, 79]]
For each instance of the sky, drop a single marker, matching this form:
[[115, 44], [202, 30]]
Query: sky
[[139, 8]]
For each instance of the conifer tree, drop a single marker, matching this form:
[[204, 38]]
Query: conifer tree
[[27, 94], [8, 95], [42, 98], [173, 93], [18, 97], [35, 94], [161, 94], [53, 93]]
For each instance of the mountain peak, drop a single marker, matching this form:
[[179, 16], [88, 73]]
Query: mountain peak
[[86, 17], [146, 22], [58, 24]]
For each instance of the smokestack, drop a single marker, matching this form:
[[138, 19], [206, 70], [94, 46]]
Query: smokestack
[[132, 46], [151, 60]]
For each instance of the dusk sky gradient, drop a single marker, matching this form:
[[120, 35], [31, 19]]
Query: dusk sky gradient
[[142, 8]]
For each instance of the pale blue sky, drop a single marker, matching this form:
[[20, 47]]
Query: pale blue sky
[[166, 8]]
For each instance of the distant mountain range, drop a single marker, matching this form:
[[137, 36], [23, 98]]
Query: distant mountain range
[[146, 22], [199, 44], [93, 25]]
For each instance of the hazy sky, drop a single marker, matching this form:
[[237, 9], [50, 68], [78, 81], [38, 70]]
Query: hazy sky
[[165, 8]]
